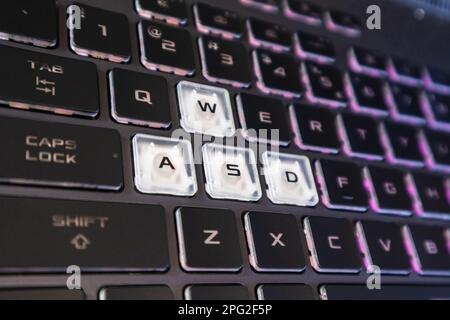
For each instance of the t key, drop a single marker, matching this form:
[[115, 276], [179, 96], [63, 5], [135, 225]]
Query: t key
[[102, 34]]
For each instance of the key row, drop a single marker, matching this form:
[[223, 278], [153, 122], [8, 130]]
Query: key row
[[234, 292], [105, 35], [166, 166], [86, 234], [68, 156]]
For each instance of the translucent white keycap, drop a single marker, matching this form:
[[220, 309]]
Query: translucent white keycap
[[289, 179], [231, 173], [205, 109], [164, 166]]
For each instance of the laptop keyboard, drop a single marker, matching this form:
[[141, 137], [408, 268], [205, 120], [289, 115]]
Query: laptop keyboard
[[114, 158]]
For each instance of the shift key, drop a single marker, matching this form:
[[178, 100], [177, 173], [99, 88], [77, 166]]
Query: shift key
[[38, 81], [49, 236], [59, 155]]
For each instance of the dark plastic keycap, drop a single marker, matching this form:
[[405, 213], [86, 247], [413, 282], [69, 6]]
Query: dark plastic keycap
[[383, 246], [23, 21], [369, 62], [437, 110], [225, 62], [268, 35], [305, 11], [140, 99], [125, 293], [60, 155], [428, 248], [275, 242], [366, 94], [102, 34], [388, 191], [325, 85], [166, 48], [97, 237], [208, 240], [315, 48], [315, 128], [260, 113], [342, 185], [285, 292], [430, 196], [360, 137], [436, 149], [401, 144], [216, 292], [217, 21], [277, 74], [332, 245], [38, 81], [43, 294], [171, 11], [405, 104]]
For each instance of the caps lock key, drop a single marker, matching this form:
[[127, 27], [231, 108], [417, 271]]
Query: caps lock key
[[59, 155]]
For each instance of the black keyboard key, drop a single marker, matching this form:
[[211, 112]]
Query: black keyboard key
[[388, 191], [277, 74], [343, 23], [428, 249], [405, 104], [275, 242], [171, 11], [324, 85], [225, 62], [382, 245], [208, 240], [267, 35], [103, 35], [436, 149], [403, 71], [218, 22], [216, 292], [139, 99], [366, 94], [50, 294], [357, 292], [136, 293], [39, 81], [332, 245], [360, 137], [368, 62], [437, 110], [60, 155], [342, 185], [437, 80], [97, 237], [401, 144], [304, 11], [272, 292], [259, 118], [430, 197], [167, 49], [315, 48], [22, 21], [315, 128], [270, 6]]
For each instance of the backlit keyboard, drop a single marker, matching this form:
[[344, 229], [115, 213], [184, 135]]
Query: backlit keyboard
[[225, 150]]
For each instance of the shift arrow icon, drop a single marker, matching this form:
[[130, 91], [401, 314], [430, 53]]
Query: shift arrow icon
[[80, 242]]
